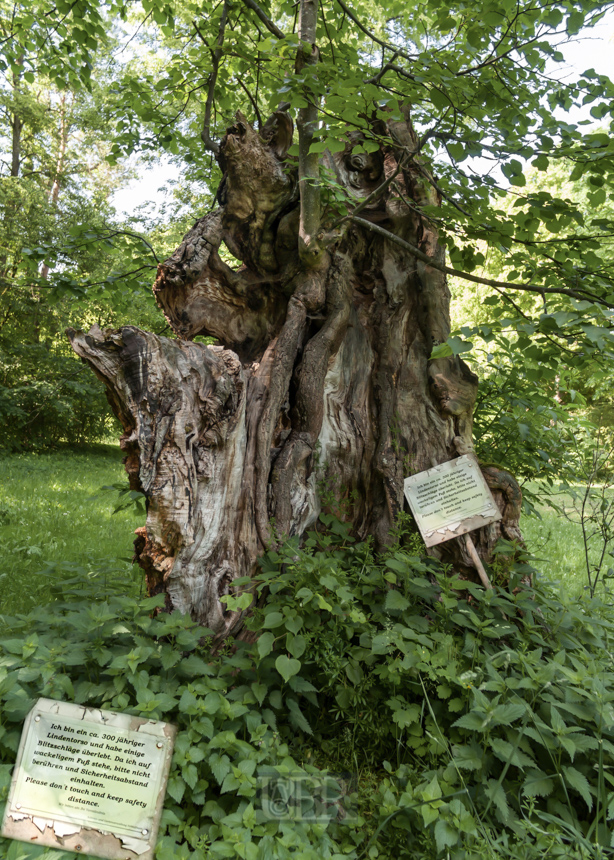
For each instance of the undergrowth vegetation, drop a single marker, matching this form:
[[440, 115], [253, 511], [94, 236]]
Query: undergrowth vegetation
[[386, 709]]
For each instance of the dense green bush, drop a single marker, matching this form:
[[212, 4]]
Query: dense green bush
[[47, 397], [475, 724]]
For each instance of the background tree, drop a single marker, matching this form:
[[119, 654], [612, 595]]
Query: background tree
[[544, 366], [61, 246]]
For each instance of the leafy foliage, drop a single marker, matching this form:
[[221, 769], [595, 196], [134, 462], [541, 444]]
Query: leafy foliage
[[503, 175], [476, 723]]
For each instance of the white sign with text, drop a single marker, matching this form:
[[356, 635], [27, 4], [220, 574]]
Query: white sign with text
[[89, 781], [450, 500]]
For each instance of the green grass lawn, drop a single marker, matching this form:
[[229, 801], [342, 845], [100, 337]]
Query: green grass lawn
[[50, 525], [558, 546]]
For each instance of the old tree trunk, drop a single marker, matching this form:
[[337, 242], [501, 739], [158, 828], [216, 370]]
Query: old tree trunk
[[320, 375]]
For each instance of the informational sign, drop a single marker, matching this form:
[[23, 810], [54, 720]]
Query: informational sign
[[450, 500], [89, 781]]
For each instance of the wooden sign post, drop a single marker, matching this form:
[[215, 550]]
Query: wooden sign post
[[450, 500]]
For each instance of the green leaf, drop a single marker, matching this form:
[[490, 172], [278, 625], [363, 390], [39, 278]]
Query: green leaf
[[259, 691], [430, 813], [272, 620], [442, 350], [440, 100], [231, 783], [265, 644], [506, 751], [472, 722], [296, 645], [407, 716], [537, 783], [458, 345], [294, 624], [541, 162], [396, 601], [496, 794], [190, 774], [287, 667], [188, 703], [468, 756], [297, 718], [579, 782], [195, 754], [220, 766], [176, 788], [432, 791], [575, 22], [445, 835], [507, 714], [453, 346]]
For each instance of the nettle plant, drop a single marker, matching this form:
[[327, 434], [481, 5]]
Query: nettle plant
[[455, 722]]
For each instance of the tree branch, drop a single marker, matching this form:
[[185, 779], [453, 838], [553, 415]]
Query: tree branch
[[205, 134], [254, 103], [270, 25], [390, 67], [582, 295], [307, 122], [519, 311], [395, 50]]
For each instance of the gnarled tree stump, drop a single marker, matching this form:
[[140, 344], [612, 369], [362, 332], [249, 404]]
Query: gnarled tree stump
[[322, 372]]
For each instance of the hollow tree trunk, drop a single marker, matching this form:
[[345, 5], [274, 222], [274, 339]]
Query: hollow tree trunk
[[321, 376]]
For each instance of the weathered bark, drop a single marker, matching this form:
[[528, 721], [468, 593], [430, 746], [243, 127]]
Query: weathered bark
[[322, 375]]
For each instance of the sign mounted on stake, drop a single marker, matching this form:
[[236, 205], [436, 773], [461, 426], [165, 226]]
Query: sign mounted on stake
[[450, 500], [89, 781]]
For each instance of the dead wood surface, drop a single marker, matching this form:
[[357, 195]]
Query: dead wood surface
[[321, 377]]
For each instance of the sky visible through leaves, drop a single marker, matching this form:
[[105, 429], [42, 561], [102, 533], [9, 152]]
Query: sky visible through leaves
[[594, 48]]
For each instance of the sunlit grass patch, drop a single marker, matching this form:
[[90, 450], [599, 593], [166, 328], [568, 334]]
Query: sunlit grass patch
[[48, 515], [557, 547], [557, 543]]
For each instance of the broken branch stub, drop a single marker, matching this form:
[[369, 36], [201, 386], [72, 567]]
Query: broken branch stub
[[182, 406]]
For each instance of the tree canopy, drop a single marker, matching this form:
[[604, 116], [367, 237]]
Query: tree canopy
[[487, 98]]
